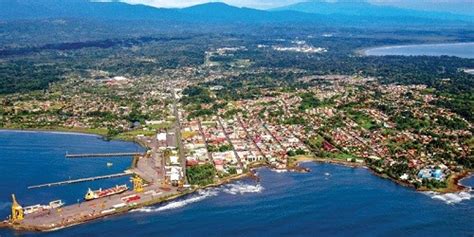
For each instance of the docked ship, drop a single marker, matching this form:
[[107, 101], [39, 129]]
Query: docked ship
[[95, 194]]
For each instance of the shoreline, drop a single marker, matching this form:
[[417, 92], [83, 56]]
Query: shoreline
[[294, 168], [454, 185], [72, 131], [19, 227], [362, 52], [248, 174], [65, 131], [25, 228], [454, 182]]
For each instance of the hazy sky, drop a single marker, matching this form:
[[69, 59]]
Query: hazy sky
[[460, 6]]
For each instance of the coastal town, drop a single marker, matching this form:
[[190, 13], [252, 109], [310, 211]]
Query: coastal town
[[206, 126], [396, 130], [236, 118]]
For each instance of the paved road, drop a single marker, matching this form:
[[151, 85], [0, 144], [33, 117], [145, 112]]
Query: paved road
[[201, 130], [250, 137], [230, 142], [150, 167], [177, 126]]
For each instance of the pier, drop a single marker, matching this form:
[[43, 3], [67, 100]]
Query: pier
[[73, 181], [150, 186], [96, 155]]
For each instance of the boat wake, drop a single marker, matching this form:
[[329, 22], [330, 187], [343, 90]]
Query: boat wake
[[233, 189], [451, 198]]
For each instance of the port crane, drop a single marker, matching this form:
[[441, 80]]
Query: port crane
[[17, 211], [137, 184]]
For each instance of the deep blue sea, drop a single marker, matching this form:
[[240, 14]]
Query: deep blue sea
[[462, 50], [330, 201]]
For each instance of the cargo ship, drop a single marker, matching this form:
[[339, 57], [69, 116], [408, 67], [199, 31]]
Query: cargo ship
[[95, 194]]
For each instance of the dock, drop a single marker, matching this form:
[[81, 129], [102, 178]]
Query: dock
[[96, 155], [150, 186], [73, 181]]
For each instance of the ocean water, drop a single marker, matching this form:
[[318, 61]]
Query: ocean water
[[329, 201], [30, 158], [462, 50]]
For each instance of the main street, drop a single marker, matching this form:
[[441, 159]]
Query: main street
[[177, 127]]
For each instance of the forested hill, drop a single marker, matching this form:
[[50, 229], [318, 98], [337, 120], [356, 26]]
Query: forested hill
[[362, 8], [222, 13], [46, 41]]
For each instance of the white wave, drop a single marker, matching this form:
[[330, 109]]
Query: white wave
[[450, 198], [241, 188], [234, 189], [201, 195]]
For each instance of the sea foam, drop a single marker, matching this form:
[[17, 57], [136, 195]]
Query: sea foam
[[451, 198], [200, 195], [279, 170], [241, 188], [238, 188]]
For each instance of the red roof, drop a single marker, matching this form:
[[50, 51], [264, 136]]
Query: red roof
[[327, 146], [191, 162], [218, 162]]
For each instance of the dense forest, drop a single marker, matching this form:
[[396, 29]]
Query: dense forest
[[31, 61]]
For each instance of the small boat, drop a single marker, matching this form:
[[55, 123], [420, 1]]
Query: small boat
[[110, 164], [95, 194]]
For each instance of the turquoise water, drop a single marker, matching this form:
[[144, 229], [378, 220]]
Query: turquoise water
[[330, 201], [462, 50]]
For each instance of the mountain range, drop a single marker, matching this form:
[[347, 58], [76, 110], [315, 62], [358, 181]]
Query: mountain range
[[362, 8], [309, 12]]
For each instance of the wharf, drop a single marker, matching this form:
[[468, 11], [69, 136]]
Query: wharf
[[80, 180], [54, 219], [96, 155], [151, 188]]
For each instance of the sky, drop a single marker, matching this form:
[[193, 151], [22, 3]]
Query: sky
[[456, 6]]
